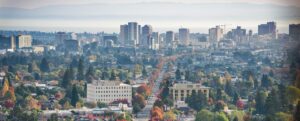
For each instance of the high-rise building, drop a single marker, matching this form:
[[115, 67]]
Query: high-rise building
[[250, 33], [146, 35], [184, 36], [60, 37], [238, 34], [215, 34], [7, 42], [133, 33], [23, 41], [269, 28], [155, 41], [108, 91], [123, 36], [170, 38], [294, 31]]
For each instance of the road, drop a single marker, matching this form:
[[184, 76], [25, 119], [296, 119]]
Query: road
[[144, 115]]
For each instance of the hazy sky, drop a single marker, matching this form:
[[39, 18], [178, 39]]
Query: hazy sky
[[40, 3], [107, 15]]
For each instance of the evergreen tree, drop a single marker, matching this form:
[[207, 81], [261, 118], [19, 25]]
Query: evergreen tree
[[144, 72], [178, 74], [266, 81], [66, 79], [260, 100], [30, 69], [297, 112], [4, 62], [11, 69], [89, 75], [44, 66], [75, 96], [80, 70], [187, 75], [229, 89], [236, 97], [219, 94], [112, 75], [272, 104], [284, 101]]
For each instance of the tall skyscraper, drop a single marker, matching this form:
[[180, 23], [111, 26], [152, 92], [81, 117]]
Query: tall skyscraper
[[60, 37], [155, 40], [294, 32], [23, 41], [146, 35], [269, 28], [123, 34], [184, 36], [133, 33], [238, 34], [7, 42], [170, 38], [215, 34]]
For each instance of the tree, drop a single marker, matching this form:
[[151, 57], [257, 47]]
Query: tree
[[197, 101], [219, 106], [266, 81], [240, 105], [144, 90], [178, 74], [45, 66], [229, 89], [75, 96], [90, 75], [187, 75], [204, 115], [272, 102], [101, 105], [112, 75], [5, 87], [297, 112], [80, 70], [139, 100], [30, 69], [104, 74], [281, 116], [11, 69], [260, 100], [220, 116], [144, 72], [157, 113], [284, 102], [53, 117], [67, 105], [170, 116], [67, 79], [293, 94], [136, 108], [236, 97]]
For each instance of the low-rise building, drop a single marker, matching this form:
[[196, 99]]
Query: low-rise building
[[108, 91], [180, 91]]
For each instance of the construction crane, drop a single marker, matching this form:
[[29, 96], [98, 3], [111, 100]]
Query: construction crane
[[223, 26]]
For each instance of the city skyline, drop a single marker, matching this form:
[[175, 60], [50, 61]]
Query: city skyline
[[163, 16]]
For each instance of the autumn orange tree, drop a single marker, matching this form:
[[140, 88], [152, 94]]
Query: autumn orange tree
[[144, 90], [157, 113]]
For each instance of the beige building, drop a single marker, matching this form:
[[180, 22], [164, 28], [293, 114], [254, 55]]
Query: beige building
[[180, 91], [23, 41], [216, 34], [108, 91]]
